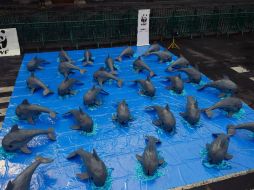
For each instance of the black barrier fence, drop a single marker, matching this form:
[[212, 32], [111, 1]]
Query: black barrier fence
[[78, 26]]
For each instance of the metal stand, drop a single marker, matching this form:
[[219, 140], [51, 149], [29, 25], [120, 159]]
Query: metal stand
[[173, 45]]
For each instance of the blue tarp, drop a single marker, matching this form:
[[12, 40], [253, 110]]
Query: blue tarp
[[117, 145]]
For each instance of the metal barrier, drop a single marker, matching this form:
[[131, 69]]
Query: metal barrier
[[89, 26]]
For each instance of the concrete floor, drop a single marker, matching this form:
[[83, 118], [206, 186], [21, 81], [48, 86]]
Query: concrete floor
[[215, 57]]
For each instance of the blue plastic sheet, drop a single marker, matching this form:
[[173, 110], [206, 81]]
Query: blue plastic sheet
[[116, 145]]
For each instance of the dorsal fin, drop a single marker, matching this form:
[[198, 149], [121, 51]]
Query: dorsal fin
[[95, 155], [9, 186], [148, 78], [14, 128], [25, 101], [167, 107]]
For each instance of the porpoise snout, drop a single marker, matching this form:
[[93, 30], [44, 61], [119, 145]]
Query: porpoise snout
[[7, 146]]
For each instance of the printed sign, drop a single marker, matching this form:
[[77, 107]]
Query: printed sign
[[143, 27], [9, 44]]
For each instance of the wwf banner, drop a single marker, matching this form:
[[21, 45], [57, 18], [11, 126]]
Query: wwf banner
[[143, 27], [9, 44]]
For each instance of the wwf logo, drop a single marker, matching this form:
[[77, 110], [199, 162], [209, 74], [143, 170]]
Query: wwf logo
[[3, 40], [144, 19]]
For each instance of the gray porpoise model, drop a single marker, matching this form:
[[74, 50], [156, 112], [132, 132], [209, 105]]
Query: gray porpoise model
[[64, 57], [102, 76], [223, 85], [164, 56], [109, 62], [88, 60], [150, 160], [29, 112], [177, 84], [23, 180], [90, 98], [217, 150], [147, 88], [127, 52], [66, 68], [166, 119], [17, 139], [96, 169], [83, 120], [123, 114], [152, 48], [182, 62], [245, 126], [192, 112], [194, 75], [139, 65], [230, 104], [65, 87], [34, 83], [35, 64]]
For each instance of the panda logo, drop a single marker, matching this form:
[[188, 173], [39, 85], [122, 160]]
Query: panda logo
[[3, 39], [143, 19]]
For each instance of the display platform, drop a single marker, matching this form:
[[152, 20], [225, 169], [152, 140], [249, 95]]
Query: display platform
[[183, 151]]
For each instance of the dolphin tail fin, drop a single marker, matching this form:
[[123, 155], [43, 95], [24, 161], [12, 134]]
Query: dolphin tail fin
[[139, 158], [47, 92], [82, 71], [104, 92], [231, 130], [152, 138], [120, 83], [113, 72], [83, 59], [201, 88], [43, 160], [152, 74], [169, 69], [208, 112], [87, 63], [66, 114], [74, 153], [52, 114], [146, 53], [51, 134], [119, 59]]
